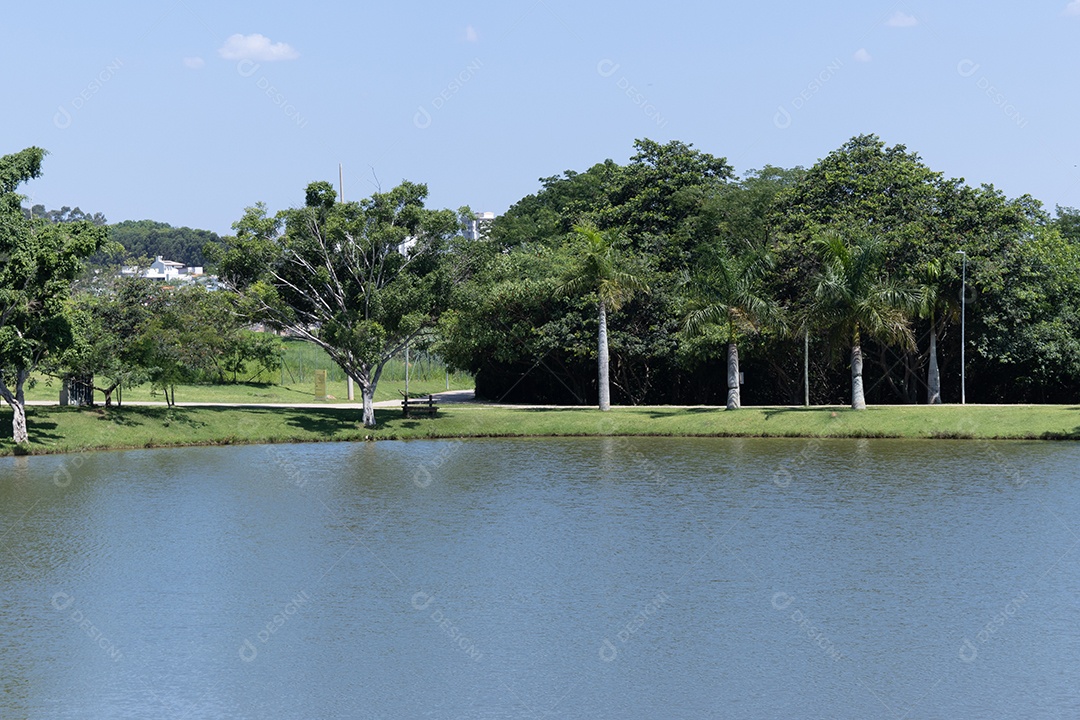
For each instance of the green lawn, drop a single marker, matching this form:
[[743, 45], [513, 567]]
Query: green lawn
[[55, 429], [293, 383]]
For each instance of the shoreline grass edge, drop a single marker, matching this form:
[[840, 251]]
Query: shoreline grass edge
[[67, 430]]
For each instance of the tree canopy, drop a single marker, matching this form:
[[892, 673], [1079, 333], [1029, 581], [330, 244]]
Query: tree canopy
[[359, 279], [39, 261], [683, 214]]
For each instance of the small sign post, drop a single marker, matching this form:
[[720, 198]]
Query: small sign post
[[320, 384]]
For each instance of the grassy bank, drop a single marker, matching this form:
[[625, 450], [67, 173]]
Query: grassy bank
[[54, 429], [294, 382]]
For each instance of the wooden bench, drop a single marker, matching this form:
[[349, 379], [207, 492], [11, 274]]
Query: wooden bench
[[419, 406]]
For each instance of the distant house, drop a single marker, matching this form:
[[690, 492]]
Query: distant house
[[165, 270]]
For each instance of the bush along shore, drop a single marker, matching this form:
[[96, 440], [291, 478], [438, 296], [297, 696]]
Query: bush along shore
[[61, 430]]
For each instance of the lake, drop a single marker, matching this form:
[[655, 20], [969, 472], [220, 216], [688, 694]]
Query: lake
[[544, 578]]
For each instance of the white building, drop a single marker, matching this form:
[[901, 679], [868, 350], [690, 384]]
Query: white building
[[474, 229], [477, 227], [166, 270]]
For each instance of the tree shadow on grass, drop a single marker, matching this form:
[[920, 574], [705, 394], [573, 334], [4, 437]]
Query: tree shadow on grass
[[323, 422], [135, 415], [652, 412], [672, 412], [1074, 434], [42, 433], [770, 413]]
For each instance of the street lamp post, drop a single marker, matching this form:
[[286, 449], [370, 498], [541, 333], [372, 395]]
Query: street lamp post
[[963, 329]]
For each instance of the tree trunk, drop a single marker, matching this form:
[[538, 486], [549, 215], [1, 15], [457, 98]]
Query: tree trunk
[[858, 401], [602, 361], [733, 396], [18, 423], [367, 392], [933, 378], [17, 401], [108, 391]]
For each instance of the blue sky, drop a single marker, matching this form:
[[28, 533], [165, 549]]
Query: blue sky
[[187, 111]]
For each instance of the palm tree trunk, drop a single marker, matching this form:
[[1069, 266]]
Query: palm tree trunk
[[858, 400], [733, 397], [933, 379], [602, 360]]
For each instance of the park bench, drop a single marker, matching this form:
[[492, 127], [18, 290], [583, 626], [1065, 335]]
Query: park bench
[[419, 406]]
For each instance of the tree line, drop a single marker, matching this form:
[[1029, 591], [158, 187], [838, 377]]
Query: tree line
[[668, 279], [853, 262], [134, 242]]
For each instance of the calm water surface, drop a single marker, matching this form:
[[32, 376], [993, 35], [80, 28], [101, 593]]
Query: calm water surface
[[579, 578]]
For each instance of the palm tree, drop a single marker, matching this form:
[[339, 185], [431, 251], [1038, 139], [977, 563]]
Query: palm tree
[[602, 270], [731, 294], [936, 306], [853, 297]]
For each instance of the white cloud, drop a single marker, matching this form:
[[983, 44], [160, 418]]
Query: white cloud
[[256, 47], [901, 19], [862, 55], [472, 36], [1073, 8], [194, 62]]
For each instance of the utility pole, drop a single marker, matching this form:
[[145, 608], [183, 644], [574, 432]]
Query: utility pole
[[963, 328]]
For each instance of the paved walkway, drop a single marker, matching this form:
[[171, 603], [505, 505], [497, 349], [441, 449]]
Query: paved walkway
[[444, 398]]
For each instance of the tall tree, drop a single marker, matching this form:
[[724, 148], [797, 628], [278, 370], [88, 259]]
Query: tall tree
[[602, 271], [853, 299], [38, 263], [936, 304], [730, 292], [358, 279]]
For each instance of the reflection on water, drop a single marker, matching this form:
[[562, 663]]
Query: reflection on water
[[577, 578]]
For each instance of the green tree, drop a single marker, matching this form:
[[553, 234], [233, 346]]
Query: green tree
[[602, 271], [730, 293], [1068, 223], [360, 280], [38, 263], [1023, 318], [109, 324], [916, 214], [853, 299]]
